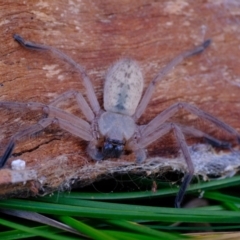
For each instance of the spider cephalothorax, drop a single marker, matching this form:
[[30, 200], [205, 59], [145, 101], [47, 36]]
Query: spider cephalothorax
[[115, 126]]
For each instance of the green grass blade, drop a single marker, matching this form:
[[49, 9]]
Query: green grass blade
[[130, 208], [121, 235], [86, 229], [122, 211], [222, 197], [18, 234], [204, 186], [141, 229], [34, 231]]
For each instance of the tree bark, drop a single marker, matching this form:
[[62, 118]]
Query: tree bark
[[96, 34]]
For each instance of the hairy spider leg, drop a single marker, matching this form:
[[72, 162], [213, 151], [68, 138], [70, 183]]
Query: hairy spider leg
[[25, 132], [157, 127], [87, 83], [177, 60], [82, 103], [189, 175], [66, 121], [209, 139], [160, 132], [170, 111]]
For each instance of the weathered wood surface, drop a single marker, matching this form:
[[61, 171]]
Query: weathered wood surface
[[96, 34]]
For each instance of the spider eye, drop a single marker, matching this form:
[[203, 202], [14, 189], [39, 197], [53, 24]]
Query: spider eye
[[118, 150], [112, 148]]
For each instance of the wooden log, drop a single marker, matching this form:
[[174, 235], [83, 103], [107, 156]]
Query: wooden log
[[96, 34]]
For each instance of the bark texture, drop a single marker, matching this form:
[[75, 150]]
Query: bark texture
[[96, 34]]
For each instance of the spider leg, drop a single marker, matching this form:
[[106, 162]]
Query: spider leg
[[158, 127], [82, 103], [211, 140], [66, 121], [186, 181], [188, 176], [144, 141], [25, 132], [148, 138], [177, 60], [51, 111], [87, 83], [170, 111], [74, 129]]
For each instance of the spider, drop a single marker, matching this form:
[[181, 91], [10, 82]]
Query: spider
[[113, 130]]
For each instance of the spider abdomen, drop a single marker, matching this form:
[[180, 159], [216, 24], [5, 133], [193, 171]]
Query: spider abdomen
[[123, 87]]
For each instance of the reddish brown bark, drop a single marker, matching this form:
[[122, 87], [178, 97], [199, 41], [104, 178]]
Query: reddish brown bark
[[96, 34]]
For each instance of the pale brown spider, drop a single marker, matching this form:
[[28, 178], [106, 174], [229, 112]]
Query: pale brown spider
[[114, 129]]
